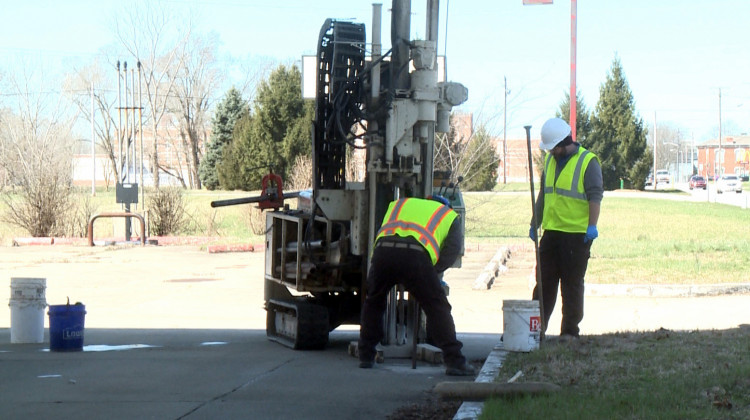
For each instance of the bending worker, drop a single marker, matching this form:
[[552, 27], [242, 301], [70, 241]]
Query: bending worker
[[568, 210], [418, 240]]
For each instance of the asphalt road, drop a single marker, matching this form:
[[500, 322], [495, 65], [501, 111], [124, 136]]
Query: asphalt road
[[708, 195]]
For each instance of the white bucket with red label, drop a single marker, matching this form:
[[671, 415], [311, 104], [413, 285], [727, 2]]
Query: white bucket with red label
[[522, 325], [27, 303]]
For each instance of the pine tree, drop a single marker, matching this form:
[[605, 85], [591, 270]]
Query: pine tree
[[583, 117], [273, 136], [228, 111], [618, 135]]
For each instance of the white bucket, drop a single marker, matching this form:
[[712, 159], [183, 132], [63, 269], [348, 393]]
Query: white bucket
[[28, 288], [521, 325], [27, 303]]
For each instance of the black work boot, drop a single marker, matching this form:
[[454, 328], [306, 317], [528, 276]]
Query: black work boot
[[462, 370]]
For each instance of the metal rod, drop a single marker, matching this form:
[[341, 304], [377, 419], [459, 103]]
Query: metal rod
[[400, 31], [93, 145], [140, 132], [126, 132], [118, 169], [133, 130], [540, 294], [376, 49]]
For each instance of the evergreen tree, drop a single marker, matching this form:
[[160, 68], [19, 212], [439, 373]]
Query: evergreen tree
[[618, 135], [583, 117], [273, 136], [228, 111]]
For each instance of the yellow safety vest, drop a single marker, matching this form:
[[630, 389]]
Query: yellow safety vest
[[427, 221], [566, 206]]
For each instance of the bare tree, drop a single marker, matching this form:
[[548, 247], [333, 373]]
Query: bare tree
[[36, 150], [96, 81], [194, 89], [464, 151], [156, 39], [254, 70], [669, 139]]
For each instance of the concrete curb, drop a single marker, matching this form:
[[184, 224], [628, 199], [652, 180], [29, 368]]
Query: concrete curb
[[471, 410], [666, 290], [215, 249]]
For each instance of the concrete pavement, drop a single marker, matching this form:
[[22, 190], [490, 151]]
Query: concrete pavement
[[200, 320]]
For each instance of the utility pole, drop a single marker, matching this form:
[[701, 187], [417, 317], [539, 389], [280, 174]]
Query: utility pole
[[721, 164], [654, 173], [505, 131]]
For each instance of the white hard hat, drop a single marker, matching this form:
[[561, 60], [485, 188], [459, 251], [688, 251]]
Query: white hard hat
[[554, 131]]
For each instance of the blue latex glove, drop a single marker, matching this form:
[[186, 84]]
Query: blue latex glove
[[591, 234], [532, 233]]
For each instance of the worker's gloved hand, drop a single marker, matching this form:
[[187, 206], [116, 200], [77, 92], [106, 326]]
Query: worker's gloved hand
[[591, 234], [532, 233]]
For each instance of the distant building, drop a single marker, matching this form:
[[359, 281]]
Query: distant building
[[513, 165], [513, 156], [731, 156]]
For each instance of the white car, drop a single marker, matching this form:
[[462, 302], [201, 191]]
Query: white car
[[728, 183], [662, 176]]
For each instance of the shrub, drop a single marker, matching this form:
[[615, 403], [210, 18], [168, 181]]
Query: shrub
[[167, 211]]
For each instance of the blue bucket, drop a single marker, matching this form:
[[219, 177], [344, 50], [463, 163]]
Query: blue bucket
[[66, 327]]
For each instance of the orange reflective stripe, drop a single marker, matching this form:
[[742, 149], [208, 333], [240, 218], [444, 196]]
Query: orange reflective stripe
[[425, 237], [436, 218], [415, 220]]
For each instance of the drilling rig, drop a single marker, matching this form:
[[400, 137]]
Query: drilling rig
[[390, 105]]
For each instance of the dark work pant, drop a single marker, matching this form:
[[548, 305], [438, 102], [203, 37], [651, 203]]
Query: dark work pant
[[414, 270], [563, 258]]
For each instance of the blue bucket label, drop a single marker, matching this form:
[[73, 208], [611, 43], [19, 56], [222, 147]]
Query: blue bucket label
[[73, 333]]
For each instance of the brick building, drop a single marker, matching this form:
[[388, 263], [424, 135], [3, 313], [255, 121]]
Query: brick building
[[513, 157], [732, 156]]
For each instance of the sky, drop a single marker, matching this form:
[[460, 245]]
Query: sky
[[678, 56]]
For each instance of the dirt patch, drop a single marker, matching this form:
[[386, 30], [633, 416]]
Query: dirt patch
[[431, 408]]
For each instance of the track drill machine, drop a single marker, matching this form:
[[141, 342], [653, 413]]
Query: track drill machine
[[389, 105]]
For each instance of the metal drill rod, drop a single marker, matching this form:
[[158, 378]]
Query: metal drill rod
[[540, 294]]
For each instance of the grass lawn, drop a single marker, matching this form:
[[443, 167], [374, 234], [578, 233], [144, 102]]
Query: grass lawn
[[649, 375], [641, 240]]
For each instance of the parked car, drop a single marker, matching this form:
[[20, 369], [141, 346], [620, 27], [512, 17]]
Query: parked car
[[662, 176], [728, 182], [697, 181]]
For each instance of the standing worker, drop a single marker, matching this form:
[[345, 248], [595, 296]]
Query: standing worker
[[567, 208], [418, 240]]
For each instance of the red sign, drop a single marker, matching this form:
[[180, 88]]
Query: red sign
[[535, 323], [525, 2]]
